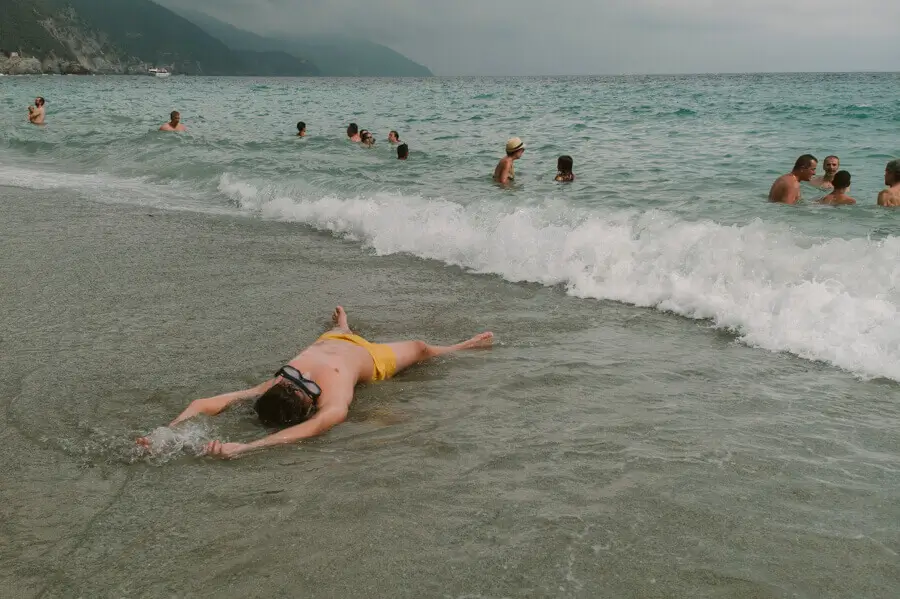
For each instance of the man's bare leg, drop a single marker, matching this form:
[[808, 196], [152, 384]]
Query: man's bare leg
[[339, 317], [413, 352]]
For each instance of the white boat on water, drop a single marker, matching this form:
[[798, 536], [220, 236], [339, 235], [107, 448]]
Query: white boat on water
[[163, 72]]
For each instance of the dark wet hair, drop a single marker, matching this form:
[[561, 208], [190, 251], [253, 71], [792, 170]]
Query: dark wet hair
[[564, 164], [402, 151], [301, 126], [841, 180], [805, 161], [281, 406], [396, 135], [352, 130], [893, 167], [41, 98]]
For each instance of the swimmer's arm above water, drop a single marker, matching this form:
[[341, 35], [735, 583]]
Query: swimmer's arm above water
[[214, 405], [332, 412]]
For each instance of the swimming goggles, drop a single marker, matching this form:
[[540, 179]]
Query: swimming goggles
[[293, 376]]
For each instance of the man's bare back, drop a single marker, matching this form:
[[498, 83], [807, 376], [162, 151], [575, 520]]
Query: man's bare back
[[837, 199], [504, 173], [785, 190], [890, 198], [333, 365]]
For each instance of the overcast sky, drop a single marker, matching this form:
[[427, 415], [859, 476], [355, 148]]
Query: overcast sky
[[541, 37]]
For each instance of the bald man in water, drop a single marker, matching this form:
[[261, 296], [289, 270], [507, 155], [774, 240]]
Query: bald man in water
[[831, 165], [312, 393]]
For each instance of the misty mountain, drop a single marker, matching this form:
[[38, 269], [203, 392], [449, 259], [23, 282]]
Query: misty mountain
[[334, 56], [126, 36]]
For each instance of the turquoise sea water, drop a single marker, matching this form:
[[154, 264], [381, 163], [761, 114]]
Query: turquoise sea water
[[722, 372]]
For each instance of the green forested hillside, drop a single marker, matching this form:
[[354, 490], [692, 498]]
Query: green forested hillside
[[20, 30], [335, 57], [109, 34]]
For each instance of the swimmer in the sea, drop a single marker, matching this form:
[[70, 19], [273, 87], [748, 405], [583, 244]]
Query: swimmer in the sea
[[174, 123], [786, 189], [313, 392], [394, 137], [890, 197], [402, 152], [505, 170], [37, 112], [831, 165], [353, 133], [564, 165], [366, 138], [301, 129], [841, 184]]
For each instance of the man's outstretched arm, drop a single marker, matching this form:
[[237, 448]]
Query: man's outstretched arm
[[333, 412], [214, 405]]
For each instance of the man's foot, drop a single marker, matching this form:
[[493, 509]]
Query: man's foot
[[483, 340], [340, 318]]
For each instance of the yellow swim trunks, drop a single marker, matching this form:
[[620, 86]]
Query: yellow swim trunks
[[383, 356]]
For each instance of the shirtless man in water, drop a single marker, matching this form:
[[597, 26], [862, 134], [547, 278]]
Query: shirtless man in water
[[831, 164], [37, 112], [891, 197], [174, 124], [312, 393], [506, 170], [786, 188]]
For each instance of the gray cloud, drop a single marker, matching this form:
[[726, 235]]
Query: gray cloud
[[522, 37]]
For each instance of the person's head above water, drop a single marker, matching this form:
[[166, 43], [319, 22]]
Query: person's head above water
[[831, 164], [892, 172], [301, 129], [402, 152], [352, 130], [394, 137], [515, 147], [564, 164], [39, 101], [841, 180], [291, 400], [805, 167], [175, 116]]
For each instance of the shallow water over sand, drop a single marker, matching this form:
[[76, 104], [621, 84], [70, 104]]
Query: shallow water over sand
[[601, 449]]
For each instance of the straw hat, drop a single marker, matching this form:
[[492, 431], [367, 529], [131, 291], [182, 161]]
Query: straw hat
[[514, 145]]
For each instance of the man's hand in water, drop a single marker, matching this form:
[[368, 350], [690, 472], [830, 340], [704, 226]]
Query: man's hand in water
[[225, 451]]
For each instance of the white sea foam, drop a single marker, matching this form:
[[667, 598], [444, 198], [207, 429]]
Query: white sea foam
[[833, 300]]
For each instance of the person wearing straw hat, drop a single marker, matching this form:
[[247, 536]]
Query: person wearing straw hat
[[506, 171]]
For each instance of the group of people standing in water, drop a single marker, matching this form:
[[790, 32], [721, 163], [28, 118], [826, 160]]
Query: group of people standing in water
[[786, 189]]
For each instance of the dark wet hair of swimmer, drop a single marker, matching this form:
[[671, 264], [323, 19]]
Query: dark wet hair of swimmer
[[805, 162], [352, 130], [301, 127], [841, 180], [402, 152], [284, 405], [39, 101], [564, 164]]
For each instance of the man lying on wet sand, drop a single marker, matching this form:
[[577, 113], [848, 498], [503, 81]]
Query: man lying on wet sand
[[312, 393]]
